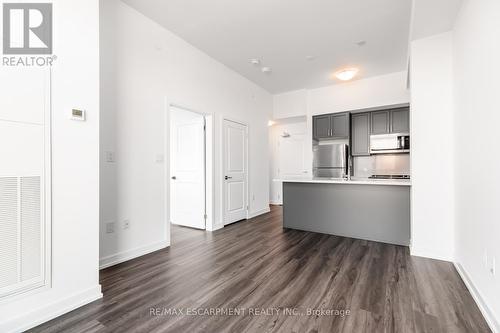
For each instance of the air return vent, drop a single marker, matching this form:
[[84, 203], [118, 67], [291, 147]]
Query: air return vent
[[9, 234], [21, 252]]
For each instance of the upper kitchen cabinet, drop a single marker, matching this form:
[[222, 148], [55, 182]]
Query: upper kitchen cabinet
[[360, 134], [400, 120], [322, 127], [380, 122], [332, 126], [340, 126], [390, 121]]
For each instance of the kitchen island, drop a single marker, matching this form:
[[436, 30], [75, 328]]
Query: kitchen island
[[376, 210]]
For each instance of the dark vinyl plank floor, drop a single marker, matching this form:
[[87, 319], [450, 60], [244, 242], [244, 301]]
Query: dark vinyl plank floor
[[257, 268]]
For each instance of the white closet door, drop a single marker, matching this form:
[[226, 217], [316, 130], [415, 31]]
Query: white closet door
[[24, 179]]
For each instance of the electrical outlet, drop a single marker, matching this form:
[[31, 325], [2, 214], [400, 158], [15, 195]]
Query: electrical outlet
[[110, 227], [126, 224], [160, 158], [110, 157]]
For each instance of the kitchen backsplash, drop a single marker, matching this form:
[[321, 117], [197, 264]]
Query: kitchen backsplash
[[395, 164]]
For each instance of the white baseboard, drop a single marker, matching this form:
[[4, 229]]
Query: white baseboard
[[51, 311], [259, 212], [431, 254], [483, 307], [215, 227], [276, 203], [118, 258]]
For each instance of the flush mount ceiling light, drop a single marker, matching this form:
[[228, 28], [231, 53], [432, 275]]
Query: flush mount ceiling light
[[255, 61], [346, 74]]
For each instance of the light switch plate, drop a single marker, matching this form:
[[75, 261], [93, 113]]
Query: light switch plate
[[110, 227]]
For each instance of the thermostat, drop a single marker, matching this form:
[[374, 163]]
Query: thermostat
[[78, 115]]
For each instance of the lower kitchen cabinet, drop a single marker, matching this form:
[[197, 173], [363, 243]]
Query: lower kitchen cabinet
[[372, 212]]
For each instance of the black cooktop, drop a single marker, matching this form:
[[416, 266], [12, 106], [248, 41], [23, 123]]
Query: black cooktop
[[390, 177]]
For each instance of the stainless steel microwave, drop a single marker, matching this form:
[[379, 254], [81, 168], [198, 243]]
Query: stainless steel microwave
[[390, 143]]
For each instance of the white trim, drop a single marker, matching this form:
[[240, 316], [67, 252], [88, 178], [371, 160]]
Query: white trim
[[48, 312], [259, 212], [431, 254], [214, 227], [118, 258], [476, 295]]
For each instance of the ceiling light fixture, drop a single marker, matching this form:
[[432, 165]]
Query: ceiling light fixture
[[346, 74], [255, 61]]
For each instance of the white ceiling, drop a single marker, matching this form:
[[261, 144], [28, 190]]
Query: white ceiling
[[282, 33], [431, 17]]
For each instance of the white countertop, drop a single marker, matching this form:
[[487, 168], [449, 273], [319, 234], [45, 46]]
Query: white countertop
[[353, 181]]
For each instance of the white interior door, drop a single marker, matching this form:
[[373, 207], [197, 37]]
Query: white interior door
[[235, 171], [187, 165]]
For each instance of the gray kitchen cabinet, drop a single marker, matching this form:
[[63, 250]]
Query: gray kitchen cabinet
[[380, 122], [340, 126], [390, 121], [322, 127], [400, 120], [331, 126], [360, 134], [378, 213]]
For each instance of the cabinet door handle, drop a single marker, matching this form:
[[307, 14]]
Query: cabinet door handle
[[227, 177]]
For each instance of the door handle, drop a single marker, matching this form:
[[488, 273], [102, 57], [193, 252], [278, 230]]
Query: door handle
[[227, 177], [174, 178]]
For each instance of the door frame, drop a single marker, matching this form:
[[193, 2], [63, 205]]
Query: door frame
[[247, 177], [209, 164]]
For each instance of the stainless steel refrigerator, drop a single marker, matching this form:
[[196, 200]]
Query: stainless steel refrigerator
[[331, 161]]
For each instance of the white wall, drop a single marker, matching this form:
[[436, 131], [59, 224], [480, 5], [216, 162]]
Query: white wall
[[75, 189], [142, 65], [477, 69], [296, 160], [432, 162], [384, 90], [290, 104]]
